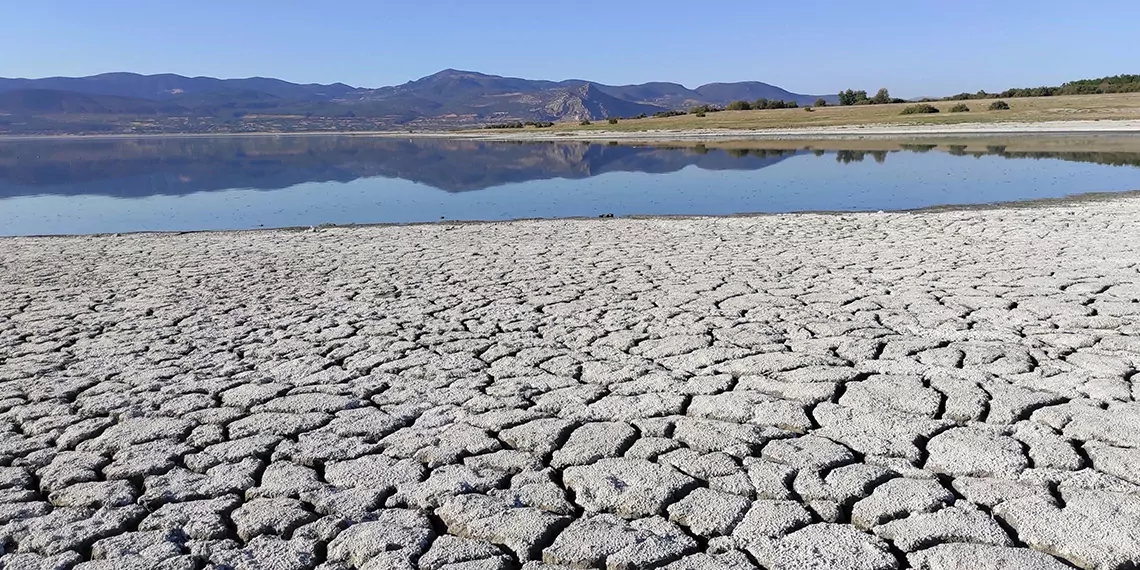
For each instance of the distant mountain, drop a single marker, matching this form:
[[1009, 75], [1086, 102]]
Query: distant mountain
[[51, 101], [753, 90], [589, 102], [669, 95], [169, 86], [450, 98]]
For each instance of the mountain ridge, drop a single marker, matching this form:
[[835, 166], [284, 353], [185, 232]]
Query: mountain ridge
[[446, 99]]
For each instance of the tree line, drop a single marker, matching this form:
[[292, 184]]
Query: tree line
[[853, 97], [761, 104], [1099, 86]]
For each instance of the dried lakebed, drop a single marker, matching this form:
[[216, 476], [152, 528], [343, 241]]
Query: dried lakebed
[[868, 391]]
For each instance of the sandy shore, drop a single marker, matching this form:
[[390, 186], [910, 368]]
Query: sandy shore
[[860, 391]]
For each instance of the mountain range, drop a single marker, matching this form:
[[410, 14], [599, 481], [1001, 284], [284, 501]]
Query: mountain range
[[129, 102]]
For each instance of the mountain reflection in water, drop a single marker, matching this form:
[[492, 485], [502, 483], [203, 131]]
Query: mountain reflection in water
[[133, 168]]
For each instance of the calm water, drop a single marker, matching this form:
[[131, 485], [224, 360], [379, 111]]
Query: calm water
[[66, 187]]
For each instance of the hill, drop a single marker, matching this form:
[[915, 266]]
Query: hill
[[753, 90]]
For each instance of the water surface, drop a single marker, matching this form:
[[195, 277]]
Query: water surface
[[172, 184]]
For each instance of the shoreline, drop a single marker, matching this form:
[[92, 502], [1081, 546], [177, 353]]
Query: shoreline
[[1038, 203], [842, 132]]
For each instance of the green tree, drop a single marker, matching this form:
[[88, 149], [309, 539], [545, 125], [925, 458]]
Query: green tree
[[739, 106], [761, 103], [852, 97], [882, 97], [821, 102]]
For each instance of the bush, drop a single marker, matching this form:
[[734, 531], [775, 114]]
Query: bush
[[704, 109], [584, 123], [739, 106], [700, 114], [853, 97], [506, 126], [809, 109], [920, 109], [613, 120], [999, 106], [960, 108], [663, 114], [821, 102]]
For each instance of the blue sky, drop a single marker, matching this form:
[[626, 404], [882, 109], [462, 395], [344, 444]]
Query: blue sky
[[914, 48]]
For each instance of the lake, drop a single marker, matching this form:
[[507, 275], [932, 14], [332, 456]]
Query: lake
[[183, 184]]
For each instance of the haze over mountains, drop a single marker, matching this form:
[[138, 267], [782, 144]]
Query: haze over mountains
[[128, 102]]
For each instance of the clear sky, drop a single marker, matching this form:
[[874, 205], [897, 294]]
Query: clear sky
[[915, 47]]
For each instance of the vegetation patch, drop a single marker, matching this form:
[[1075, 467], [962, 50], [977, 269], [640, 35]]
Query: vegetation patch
[[920, 109], [960, 108], [999, 106]]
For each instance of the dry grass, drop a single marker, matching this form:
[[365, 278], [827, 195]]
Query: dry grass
[[1028, 109]]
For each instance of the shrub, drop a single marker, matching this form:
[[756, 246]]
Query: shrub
[[506, 126], [960, 108], [613, 120], [853, 97], [704, 109], [821, 102], [999, 106], [920, 109], [700, 113], [584, 123], [739, 106], [663, 114]]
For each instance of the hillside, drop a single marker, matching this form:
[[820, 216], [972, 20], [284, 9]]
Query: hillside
[[129, 102], [753, 90], [50, 101]]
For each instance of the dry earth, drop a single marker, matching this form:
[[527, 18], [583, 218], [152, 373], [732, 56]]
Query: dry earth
[[872, 391]]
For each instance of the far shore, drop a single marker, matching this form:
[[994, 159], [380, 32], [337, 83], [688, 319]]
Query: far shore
[[841, 132]]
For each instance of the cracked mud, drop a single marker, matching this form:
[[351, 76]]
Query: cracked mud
[[870, 391]]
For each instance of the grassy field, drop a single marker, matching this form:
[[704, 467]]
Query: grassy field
[[1029, 109]]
